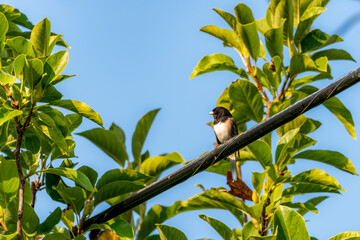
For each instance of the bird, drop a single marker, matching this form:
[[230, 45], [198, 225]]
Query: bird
[[225, 128]]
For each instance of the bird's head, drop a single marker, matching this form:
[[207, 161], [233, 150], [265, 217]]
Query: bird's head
[[220, 112]]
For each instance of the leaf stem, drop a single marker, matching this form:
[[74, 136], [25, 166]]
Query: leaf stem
[[260, 88]]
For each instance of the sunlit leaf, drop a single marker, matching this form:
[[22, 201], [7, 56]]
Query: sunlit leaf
[[109, 142], [332, 158], [314, 180], [153, 166], [50, 222], [289, 224], [223, 230], [317, 39], [40, 37], [140, 133], [79, 107], [77, 176], [116, 188], [75, 196], [350, 235], [170, 233], [6, 115], [246, 100], [215, 62]]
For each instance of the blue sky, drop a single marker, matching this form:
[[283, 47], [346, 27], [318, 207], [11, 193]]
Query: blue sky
[[134, 56]]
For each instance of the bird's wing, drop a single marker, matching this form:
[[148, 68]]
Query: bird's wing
[[217, 140], [234, 129]]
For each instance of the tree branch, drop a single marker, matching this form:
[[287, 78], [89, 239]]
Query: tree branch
[[19, 138], [260, 88]]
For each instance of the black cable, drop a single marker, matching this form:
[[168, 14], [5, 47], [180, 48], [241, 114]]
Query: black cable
[[224, 150]]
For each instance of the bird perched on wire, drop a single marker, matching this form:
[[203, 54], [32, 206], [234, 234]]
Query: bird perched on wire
[[225, 128]]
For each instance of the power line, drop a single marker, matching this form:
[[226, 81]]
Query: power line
[[224, 150]]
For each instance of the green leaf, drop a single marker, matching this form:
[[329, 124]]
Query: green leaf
[[55, 136], [6, 78], [228, 36], [60, 78], [311, 12], [90, 173], [333, 54], [346, 235], [290, 224], [274, 41], [140, 133], [30, 220], [228, 17], [223, 230], [305, 125], [6, 115], [4, 26], [68, 218], [118, 131], [332, 158], [32, 143], [32, 71], [109, 142], [50, 222], [289, 144], [51, 94], [40, 38], [79, 107], [52, 181], [153, 166], [211, 199], [262, 152], [116, 188], [73, 121], [317, 39], [335, 106], [258, 181], [276, 12], [170, 233], [9, 181], [215, 62], [301, 206], [313, 201], [19, 45], [117, 226], [246, 30], [11, 236], [75, 196], [121, 175], [304, 25], [302, 63], [222, 167], [54, 65], [72, 174], [57, 236], [246, 100], [314, 180], [249, 230]]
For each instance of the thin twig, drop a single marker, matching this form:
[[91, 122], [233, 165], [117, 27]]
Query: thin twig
[[282, 92], [260, 88]]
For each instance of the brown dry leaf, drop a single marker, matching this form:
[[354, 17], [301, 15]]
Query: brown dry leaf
[[238, 188]]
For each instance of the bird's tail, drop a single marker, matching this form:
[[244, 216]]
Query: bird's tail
[[233, 167]]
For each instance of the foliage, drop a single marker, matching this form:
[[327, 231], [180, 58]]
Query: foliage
[[37, 142], [32, 125], [267, 84]]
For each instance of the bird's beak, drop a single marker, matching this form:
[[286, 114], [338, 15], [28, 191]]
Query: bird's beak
[[211, 113]]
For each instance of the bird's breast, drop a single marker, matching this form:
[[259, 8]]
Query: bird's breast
[[222, 132]]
